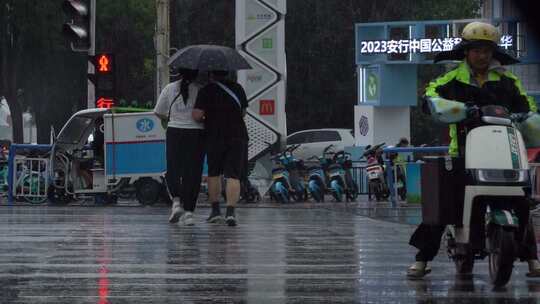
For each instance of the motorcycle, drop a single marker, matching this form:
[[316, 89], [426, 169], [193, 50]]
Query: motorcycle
[[494, 184], [286, 181], [376, 173]]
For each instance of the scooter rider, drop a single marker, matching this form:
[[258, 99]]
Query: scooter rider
[[480, 79]]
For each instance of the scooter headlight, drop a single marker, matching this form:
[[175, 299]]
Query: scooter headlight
[[502, 176]]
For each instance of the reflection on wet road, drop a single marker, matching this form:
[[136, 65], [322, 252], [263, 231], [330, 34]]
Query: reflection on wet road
[[132, 255]]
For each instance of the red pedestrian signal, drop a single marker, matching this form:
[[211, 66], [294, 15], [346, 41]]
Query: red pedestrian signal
[[104, 80], [104, 63]]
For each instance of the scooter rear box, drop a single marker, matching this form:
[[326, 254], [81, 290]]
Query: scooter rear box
[[443, 190]]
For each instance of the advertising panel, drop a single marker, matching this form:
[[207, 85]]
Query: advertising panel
[[260, 38]]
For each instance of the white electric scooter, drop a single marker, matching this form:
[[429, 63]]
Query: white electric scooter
[[496, 176]]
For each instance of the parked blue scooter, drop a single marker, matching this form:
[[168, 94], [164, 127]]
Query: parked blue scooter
[[286, 181], [351, 188], [339, 166], [317, 176], [336, 177]]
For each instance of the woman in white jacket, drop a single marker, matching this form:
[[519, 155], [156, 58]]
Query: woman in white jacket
[[185, 145]]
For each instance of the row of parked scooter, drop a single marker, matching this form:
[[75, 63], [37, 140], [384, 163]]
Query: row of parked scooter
[[329, 173]]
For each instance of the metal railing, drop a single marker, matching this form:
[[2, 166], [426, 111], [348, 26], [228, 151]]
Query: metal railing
[[31, 179], [28, 172], [391, 174], [359, 175]]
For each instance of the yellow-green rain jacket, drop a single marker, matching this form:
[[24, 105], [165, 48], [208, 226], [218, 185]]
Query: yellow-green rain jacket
[[501, 88]]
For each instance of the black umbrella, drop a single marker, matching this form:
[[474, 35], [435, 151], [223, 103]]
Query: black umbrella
[[208, 58]]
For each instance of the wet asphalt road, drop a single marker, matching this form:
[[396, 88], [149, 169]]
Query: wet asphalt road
[[300, 254]]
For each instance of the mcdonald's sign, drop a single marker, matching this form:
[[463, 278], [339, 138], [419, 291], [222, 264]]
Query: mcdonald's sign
[[267, 107]]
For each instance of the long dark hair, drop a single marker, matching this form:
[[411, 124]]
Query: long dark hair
[[188, 76]]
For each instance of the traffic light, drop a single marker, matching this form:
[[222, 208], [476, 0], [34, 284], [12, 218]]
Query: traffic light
[[78, 29], [105, 80]]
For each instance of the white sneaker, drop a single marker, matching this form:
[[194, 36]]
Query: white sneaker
[[418, 270], [176, 211], [187, 219]]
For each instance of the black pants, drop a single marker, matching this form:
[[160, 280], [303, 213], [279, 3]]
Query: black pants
[[427, 238], [185, 156]]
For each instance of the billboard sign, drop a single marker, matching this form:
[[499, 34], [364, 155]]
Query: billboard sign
[[425, 45]]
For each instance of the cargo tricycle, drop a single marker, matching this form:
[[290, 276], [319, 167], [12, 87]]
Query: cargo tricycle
[[107, 153]]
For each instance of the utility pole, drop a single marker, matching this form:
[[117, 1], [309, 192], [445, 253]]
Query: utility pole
[[91, 100], [162, 45]]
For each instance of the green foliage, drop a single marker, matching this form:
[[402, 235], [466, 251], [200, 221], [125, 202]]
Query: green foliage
[[31, 47]]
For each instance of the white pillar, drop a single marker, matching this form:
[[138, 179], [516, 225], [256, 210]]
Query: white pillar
[[260, 37], [375, 125]]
